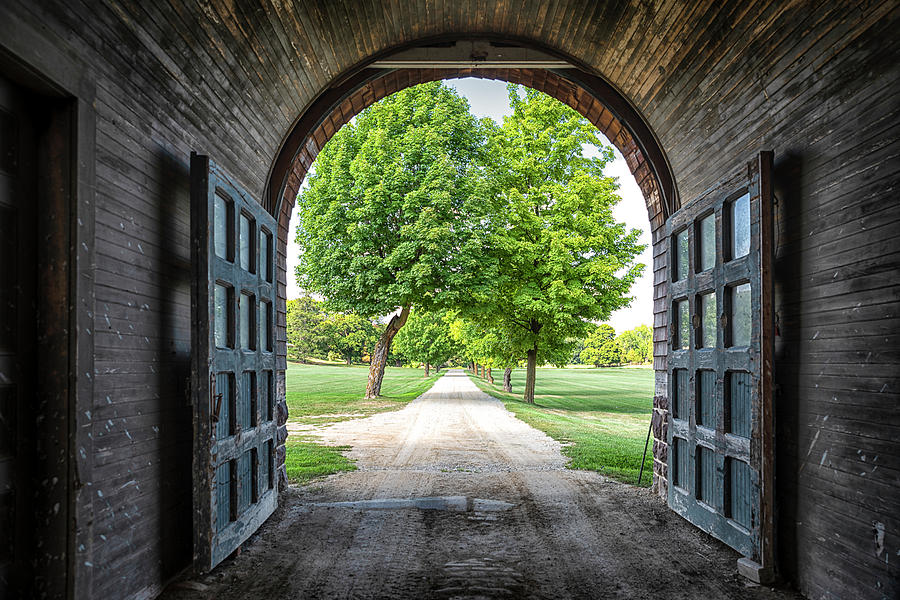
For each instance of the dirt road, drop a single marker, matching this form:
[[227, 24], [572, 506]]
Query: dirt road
[[456, 499]]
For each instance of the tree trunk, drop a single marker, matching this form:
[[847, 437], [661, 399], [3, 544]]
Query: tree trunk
[[349, 361], [530, 373], [490, 377], [472, 366], [379, 357], [427, 370], [507, 379]]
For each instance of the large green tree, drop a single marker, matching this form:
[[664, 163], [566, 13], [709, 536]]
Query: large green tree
[[564, 261], [391, 218], [426, 339]]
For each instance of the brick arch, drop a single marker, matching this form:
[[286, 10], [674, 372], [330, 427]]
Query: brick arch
[[632, 137]]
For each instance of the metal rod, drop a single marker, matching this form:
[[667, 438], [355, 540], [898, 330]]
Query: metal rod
[[647, 443]]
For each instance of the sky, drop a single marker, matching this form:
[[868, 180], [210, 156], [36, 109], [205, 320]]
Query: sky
[[488, 98]]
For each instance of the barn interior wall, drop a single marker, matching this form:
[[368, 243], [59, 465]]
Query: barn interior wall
[[815, 82], [132, 533]]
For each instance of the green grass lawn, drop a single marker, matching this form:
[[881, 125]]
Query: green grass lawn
[[601, 415], [324, 394], [305, 459], [331, 393]]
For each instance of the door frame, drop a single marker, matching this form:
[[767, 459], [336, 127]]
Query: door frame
[[45, 66]]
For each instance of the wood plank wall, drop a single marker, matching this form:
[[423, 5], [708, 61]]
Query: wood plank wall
[[717, 81]]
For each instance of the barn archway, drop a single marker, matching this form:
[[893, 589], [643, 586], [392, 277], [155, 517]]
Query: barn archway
[[585, 91], [572, 83]]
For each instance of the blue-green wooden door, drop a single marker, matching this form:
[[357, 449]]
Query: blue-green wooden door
[[233, 370], [720, 427]]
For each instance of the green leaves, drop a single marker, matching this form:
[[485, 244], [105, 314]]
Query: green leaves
[[349, 335], [563, 261], [486, 343], [390, 214], [604, 347], [425, 338], [601, 348], [637, 344], [313, 332], [305, 336]]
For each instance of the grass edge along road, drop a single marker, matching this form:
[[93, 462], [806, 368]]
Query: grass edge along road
[[320, 395], [600, 416]]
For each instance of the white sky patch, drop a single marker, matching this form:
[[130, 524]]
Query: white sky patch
[[488, 98]]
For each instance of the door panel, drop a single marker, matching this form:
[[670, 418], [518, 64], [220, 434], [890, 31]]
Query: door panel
[[720, 427], [233, 431]]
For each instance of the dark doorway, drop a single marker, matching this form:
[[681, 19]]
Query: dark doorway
[[35, 159], [18, 282]]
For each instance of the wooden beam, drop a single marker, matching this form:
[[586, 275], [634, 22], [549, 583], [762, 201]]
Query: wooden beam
[[767, 360], [471, 64], [471, 54]]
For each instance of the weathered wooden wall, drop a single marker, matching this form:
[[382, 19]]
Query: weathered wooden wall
[[717, 81]]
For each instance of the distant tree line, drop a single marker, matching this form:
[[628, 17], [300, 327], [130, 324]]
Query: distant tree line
[[603, 348], [315, 333], [438, 338]]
